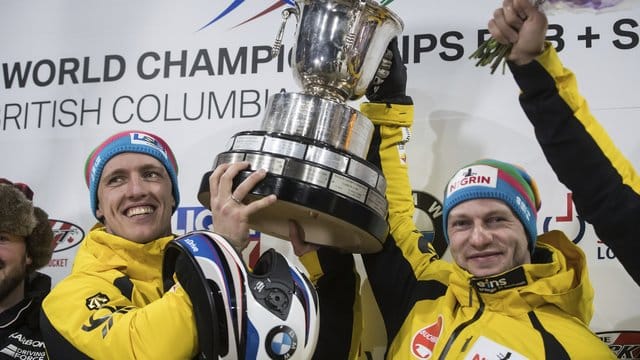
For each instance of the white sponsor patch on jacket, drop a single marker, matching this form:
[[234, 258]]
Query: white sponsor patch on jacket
[[486, 349]]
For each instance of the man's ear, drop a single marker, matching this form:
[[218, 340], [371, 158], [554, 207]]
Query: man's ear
[[99, 213]]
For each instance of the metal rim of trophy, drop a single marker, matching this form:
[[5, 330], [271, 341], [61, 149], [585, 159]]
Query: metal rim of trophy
[[304, 160], [352, 193]]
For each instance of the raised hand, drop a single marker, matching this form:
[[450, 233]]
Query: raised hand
[[390, 83], [521, 24]]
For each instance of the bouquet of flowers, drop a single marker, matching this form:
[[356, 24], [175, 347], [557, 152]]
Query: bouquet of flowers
[[491, 52]]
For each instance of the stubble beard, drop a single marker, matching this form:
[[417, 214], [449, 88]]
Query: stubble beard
[[13, 280]]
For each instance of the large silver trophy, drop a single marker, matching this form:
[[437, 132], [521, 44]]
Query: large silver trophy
[[311, 143]]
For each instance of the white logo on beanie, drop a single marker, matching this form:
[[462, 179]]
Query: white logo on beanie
[[95, 166], [477, 175], [146, 140]]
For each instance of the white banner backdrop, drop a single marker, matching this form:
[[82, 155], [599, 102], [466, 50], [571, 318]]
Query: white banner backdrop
[[75, 72]]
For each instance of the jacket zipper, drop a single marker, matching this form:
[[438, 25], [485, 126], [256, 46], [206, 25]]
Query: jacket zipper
[[458, 330]]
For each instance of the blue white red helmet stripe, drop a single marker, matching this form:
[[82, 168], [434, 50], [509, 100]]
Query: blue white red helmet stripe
[[236, 291], [302, 284], [246, 320]]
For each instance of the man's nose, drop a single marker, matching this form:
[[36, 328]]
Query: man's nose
[[480, 235], [135, 186]]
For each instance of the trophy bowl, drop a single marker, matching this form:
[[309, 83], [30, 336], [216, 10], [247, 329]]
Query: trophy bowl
[[312, 144], [339, 45]]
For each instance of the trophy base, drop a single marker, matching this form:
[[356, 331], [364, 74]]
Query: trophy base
[[327, 218], [314, 153]]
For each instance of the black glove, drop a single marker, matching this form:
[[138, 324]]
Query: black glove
[[390, 83]]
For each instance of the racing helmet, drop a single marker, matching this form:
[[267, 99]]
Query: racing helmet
[[271, 312]]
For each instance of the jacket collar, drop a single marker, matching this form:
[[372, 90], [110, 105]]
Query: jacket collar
[[102, 251], [557, 276]]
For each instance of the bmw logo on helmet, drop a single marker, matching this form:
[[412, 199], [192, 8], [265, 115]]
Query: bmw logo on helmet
[[270, 311], [281, 342]]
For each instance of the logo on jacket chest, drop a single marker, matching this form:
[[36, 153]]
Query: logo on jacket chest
[[23, 346], [487, 349], [103, 314], [490, 285], [425, 340]]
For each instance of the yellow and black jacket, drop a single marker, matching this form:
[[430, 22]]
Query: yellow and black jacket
[[605, 187], [433, 309], [112, 305]]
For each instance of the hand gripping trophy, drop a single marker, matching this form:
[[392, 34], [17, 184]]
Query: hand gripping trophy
[[311, 143]]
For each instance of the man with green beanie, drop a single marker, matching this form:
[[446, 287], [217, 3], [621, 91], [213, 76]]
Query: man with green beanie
[[26, 245], [508, 294], [571, 138]]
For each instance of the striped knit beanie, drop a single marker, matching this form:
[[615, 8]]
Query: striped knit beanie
[[493, 179], [129, 142]]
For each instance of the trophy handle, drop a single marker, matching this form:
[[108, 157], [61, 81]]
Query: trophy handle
[[354, 25], [277, 45]]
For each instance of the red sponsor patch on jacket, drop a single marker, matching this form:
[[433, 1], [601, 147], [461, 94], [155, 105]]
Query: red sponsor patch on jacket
[[425, 340]]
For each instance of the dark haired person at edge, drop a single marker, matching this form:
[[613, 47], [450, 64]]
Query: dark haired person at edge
[[113, 304], [26, 244], [572, 139], [509, 294]]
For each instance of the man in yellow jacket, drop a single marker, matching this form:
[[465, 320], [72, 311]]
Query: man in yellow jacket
[[572, 139], [113, 304], [509, 294]]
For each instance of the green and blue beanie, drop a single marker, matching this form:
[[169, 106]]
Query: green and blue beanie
[[493, 179]]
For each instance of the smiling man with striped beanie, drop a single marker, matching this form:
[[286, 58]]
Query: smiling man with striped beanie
[[489, 217], [116, 286], [493, 179], [140, 142]]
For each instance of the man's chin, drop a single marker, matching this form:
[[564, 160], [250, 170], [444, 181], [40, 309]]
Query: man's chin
[[10, 283], [486, 271], [141, 237]]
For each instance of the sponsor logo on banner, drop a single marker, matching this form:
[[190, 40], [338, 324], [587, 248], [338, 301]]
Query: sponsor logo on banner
[[65, 235], [431, 226], [234, 4], [625, 344], [425, 340], [572, 226], [191, 218]]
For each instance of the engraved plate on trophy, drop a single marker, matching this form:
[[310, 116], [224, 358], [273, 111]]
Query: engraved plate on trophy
[[312, 144]]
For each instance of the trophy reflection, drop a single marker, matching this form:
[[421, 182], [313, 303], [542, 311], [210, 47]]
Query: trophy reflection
[[312, 144]]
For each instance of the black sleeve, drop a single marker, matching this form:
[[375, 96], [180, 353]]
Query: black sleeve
[[338, 293], [584, 158]]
